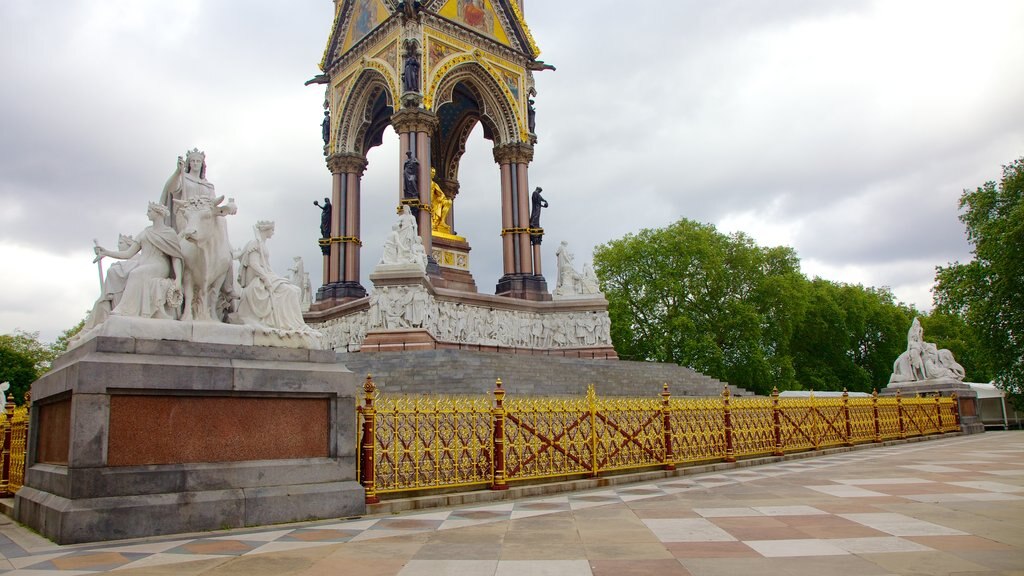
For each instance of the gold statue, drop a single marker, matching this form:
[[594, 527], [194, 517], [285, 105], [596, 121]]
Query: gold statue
[[440, 205]]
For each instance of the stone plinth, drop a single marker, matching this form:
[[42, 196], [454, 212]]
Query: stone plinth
[[135, 437], [406, 311], [452, 256], [967, 398]]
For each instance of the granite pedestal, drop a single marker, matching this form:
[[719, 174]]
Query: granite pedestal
[[967, 398], [135, 437]]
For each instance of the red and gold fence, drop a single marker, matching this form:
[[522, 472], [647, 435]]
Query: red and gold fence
[[433, 442], [14, 424]]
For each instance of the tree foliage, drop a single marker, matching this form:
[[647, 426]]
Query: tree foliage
[[988, 292], [722, 305], [23, 358]]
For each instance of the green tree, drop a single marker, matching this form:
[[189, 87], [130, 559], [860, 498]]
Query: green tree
[[689, 295], [849, 337], [722, 305], [988, 291], [951, 331], [61, 344], [23, 359]]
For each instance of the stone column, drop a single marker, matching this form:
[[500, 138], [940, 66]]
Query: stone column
[[415, 128], [341, 278], [522, 277]]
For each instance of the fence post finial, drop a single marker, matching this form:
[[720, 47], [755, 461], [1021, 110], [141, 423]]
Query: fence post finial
[[666, 427], [730, 448], [498, 439], [367, 457]]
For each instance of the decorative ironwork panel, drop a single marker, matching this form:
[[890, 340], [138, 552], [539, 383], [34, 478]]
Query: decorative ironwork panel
[[831, 428], [888, 418], [948, 407], [547, 437], [432, 442], [920, 416], [698, 429], [628, 433], [797, 422], [862, 420], [19, 447], [753, 426]]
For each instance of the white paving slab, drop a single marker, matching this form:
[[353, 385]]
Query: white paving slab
[[726, 512], [901, 525], [285, 546], [796, 510], [543, 568], [874, 481], [990, 486], [793, 548], [687, 530], [846, 491], [156, 560], [877, 544], [933, 468], [449, 568], [256, 536]]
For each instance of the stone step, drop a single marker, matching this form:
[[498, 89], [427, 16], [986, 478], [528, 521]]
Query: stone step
[[474, 372]]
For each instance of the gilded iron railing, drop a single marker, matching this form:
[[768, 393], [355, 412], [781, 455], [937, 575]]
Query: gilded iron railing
[[434, 442], [14, 424]]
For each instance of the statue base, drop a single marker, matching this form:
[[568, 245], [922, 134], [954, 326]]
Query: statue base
[[407, 311], [452, 256], [524, 287], [334, 294], [133, 437], [199, 332], [967, 398]]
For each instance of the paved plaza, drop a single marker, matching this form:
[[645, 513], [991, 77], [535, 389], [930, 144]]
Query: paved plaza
[[948, 506]]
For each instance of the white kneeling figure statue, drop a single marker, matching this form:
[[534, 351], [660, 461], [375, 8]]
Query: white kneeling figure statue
[[924, 361], [267, 300]]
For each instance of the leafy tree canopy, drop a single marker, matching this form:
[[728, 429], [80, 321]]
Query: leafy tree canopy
[[24, 358], [724, 306], [988, 292]]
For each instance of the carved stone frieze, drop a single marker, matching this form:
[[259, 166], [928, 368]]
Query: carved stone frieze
[[397, 307]]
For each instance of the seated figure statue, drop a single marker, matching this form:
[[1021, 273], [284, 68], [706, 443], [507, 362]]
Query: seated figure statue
[[924, 361], [152, 284], [403, 244], [268, 300], [113, 284], [571, 284]]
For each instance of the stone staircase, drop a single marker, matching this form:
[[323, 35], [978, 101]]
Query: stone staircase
[[473, 372]]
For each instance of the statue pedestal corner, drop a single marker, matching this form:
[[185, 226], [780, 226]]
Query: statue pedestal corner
[[133, 438]]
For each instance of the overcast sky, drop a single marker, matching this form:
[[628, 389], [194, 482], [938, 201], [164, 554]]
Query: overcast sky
[[845, 129]]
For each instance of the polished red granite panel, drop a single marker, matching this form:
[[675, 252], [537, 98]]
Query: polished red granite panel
[[54, 437], [149, 429]]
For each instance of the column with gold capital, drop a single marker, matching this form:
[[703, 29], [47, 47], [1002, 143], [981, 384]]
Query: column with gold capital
[[522, 277], [341, 269]]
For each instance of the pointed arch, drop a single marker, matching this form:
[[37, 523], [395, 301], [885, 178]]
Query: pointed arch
[[498, 109], [366, 112]]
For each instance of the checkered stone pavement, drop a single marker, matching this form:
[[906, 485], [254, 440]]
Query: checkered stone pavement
[[933, 507]]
